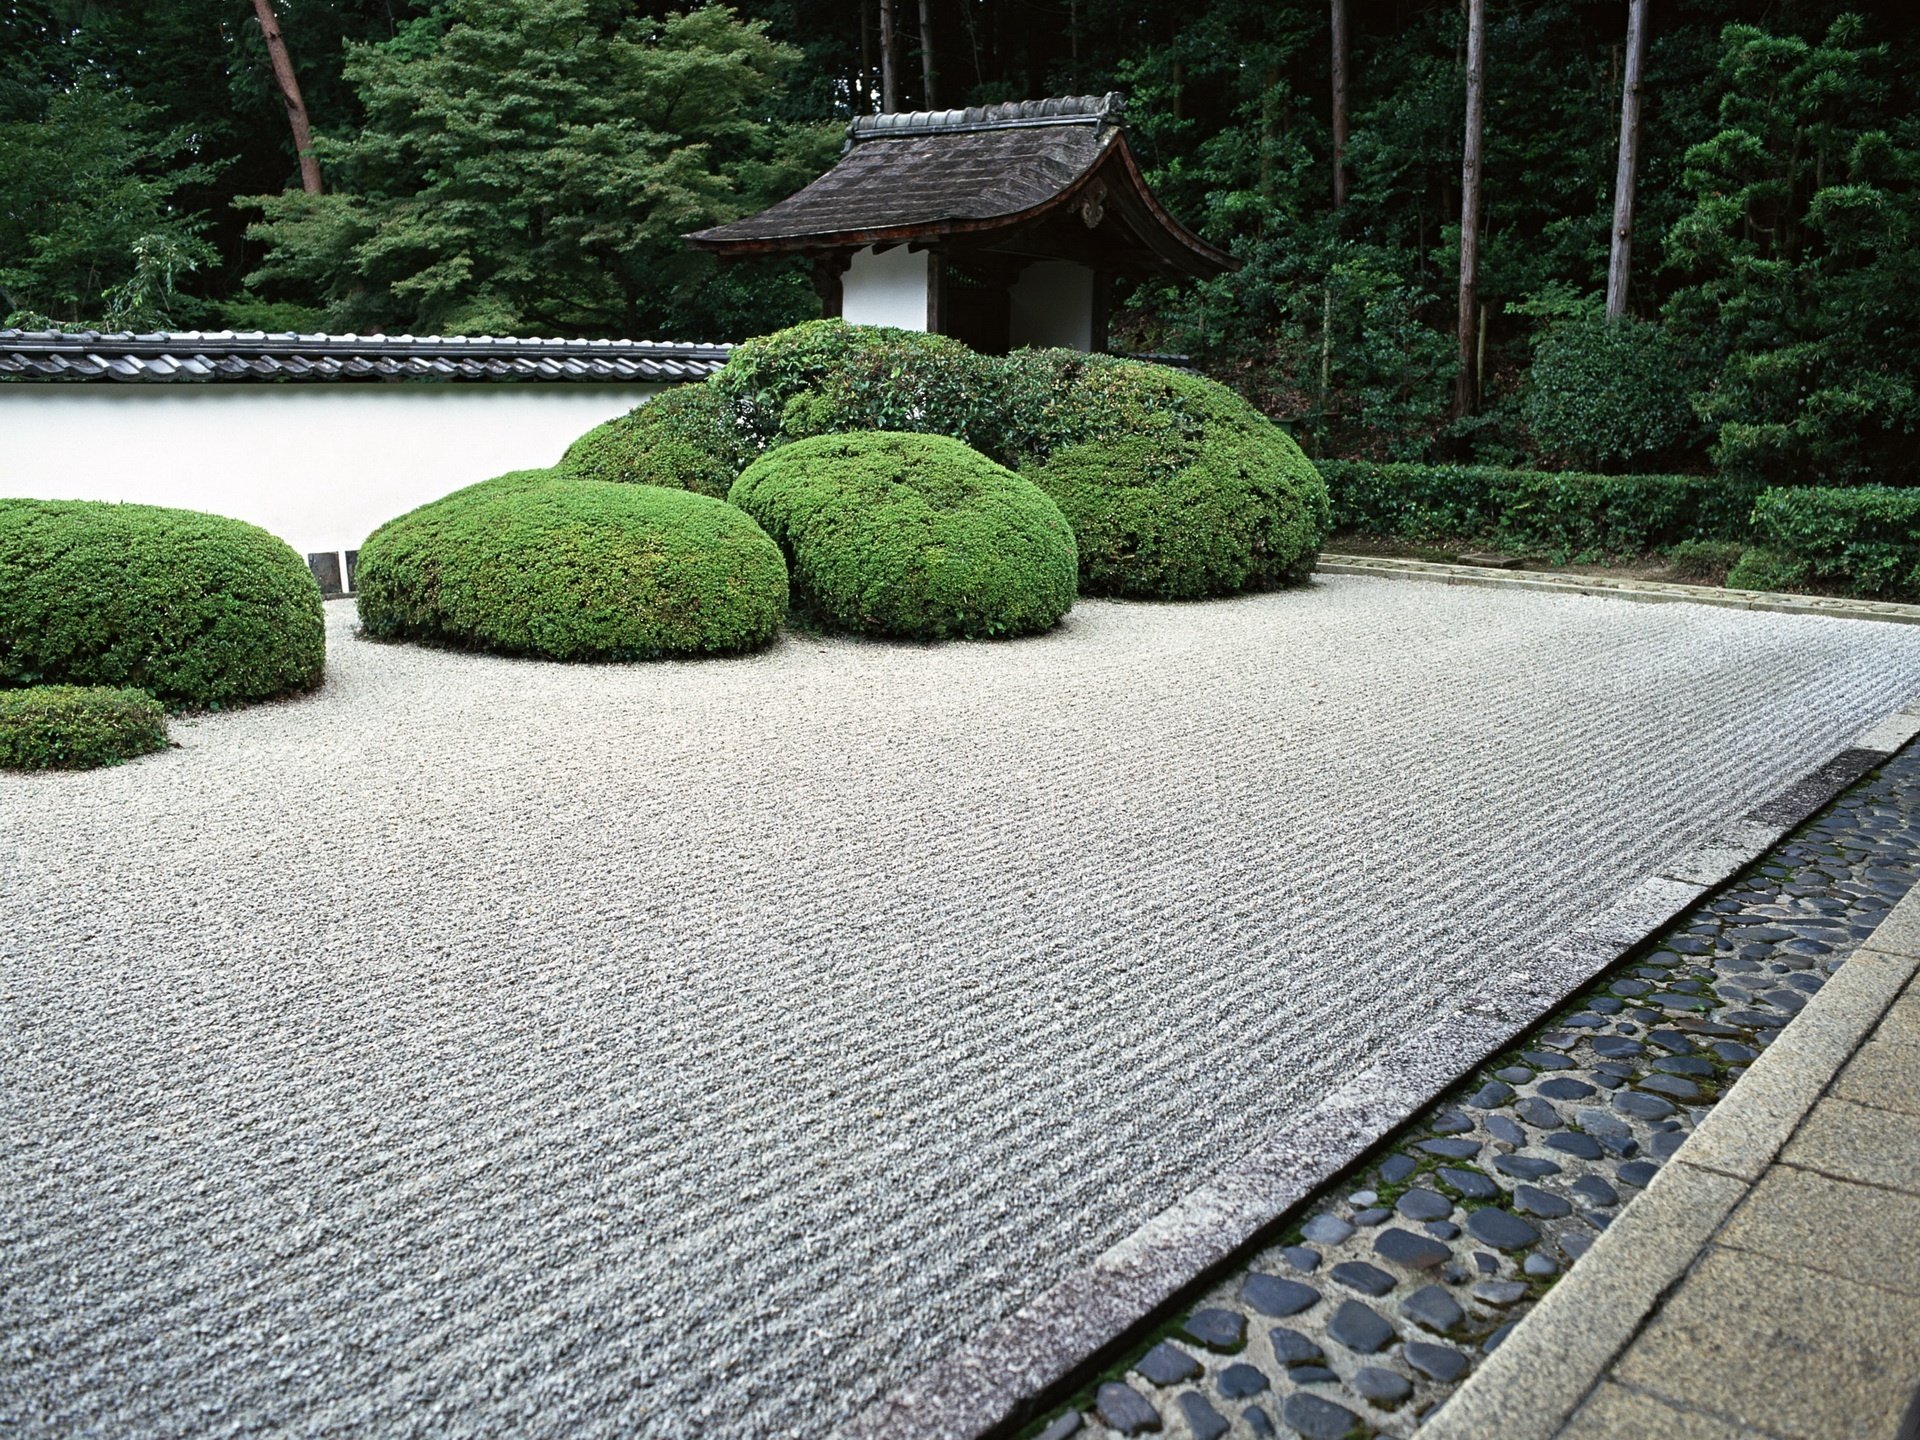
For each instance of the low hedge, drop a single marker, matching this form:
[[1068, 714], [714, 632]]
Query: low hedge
[[680, 440], [1862, 541], [915, 536], [1569, 516], [540, 562], [77, 727], [197, 610]]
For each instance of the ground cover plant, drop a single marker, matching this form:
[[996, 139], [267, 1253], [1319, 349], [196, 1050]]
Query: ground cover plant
[[197, 610], [77, 727], [541, 562], [915, 536]]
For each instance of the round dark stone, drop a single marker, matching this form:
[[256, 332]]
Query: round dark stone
[[1271, 1295], [1313, 1375], [1629, 988], [1442, 1229], [1677, 1087], [1326, 1230], [1434, 1308], [1525, 1167], [1125, 1410], [1546, 1060], [1595, 1191], [1689, 945], [1470, 1183], [1317, 1419], [1301, 1258], [1540, 1266], [1686, 1064], [1500, 1293], [1359, 1329], [1501, 1128], [1202, 1419], [1564, 1087], [1424, 1204], [1644, 1107], [1733, 1052], [1614, 1047], [1216, 1329], [1396, 1168], [1575, 1245], [1665, 1143], [1258, 1423], [1490, 1095], [1514, 1074], [1536, 1201], [1062, 1427], [1492, 1342], [1436, 1362], [1167, 1364], [1237, 1382], [1290, 1347], [1572, 1142], [1416, 1252], [1382, 1387], [1368, 1279], [1370, 1216], [1501, 1230], [1608, 1005], [1451, 1149], [1538, 1113], [1672, 1040], [1450, 1122]]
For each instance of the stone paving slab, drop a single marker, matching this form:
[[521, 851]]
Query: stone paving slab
[[520, 1049]]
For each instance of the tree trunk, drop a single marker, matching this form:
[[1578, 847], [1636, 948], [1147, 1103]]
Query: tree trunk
[[1620, 265], [926, 54], [290, 93], [1339, 103], [1466, 393], [889, 57]]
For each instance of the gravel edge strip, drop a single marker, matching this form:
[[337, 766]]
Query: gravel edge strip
[[1005, 1374], [1654, 591], [1553, 1359]]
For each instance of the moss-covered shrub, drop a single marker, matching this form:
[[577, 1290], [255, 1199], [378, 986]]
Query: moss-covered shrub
[[197, 610], [912, 535], [681, 440], [77, 727], [1862, 541], [1176, 488], [1704, 562], [540, 562]]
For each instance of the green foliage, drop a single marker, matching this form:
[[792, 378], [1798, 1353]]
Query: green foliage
[[912, 535], [88, 232], [1704, 561], [197, 609], [1863, 541], [1176, 488], [76, 727], [528, 166], [826, 377], [1607, 393], [681, 439], [1798, 254], [539, 562], [1568, 516]]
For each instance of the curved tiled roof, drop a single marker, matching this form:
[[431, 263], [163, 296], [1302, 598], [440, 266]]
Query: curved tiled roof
[[252, 355]]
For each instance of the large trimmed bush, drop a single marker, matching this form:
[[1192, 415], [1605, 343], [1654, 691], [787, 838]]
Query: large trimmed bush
[[197, 610], [77, 727], [1176, 488], [540, 562], [1862, 541], [1565, 515], [680, 440], [912, 535]]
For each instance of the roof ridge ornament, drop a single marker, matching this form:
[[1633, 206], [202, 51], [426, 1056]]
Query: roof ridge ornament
[[1008, 115]]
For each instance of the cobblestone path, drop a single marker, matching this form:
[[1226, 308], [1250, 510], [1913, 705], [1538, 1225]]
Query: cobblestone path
[[1381, 1294]]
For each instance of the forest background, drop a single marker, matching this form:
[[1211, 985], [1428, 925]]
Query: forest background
[[525, 167]]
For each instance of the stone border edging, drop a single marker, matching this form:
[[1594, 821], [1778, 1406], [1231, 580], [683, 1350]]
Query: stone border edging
[[993, 1382], [1545, 1370], [1655, 591]]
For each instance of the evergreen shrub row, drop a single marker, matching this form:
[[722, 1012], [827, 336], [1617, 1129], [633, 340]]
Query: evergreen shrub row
[[77, 727], [1568, 516], [1862, 541]]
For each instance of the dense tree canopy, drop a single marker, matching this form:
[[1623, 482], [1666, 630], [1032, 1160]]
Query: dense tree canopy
[[527, 165]]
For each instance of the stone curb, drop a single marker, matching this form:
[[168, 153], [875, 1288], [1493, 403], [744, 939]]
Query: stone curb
[[1531, 1385], [1652, 591], [990, 1384]]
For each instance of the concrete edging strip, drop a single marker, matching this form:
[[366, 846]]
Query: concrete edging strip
[[1530, 1387], [1646, 591], [992, 1382]]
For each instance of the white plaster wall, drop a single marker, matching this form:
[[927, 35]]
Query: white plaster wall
[[319, 464], [887, 289], [1053, 305]]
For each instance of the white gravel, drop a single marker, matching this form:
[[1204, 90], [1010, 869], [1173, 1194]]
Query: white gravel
[[482, 1047]]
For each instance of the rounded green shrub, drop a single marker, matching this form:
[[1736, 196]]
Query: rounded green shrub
[[912, 535], [197, 610], [1176, 488], [540, 562], [77, 727], [680, 440]]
